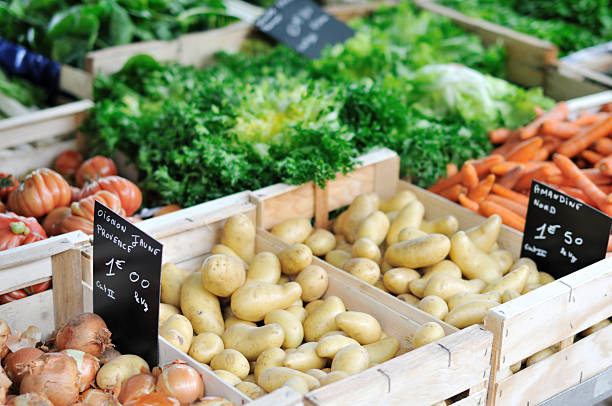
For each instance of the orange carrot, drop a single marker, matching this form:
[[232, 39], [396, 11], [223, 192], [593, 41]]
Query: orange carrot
[[509, 218], [591, 156], [509, 194], [603, 146], [484, 165], [588, 119], [597, 177], [570, 170], [483, 189], [451, 169], [559, 113], [541, 174], [469, 177], [606, 188], [525, 151], [585, 138], [453, 192], [559, 180], [551, 143], [541, 155], [468, 203], [445, 183], [505, 148], [561, 129], [517, 208], [511, 177], [505, 167], [577, 194], [538, 111], [500, 135]]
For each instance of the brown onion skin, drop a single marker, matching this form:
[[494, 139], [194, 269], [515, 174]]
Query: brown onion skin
[[15, 361], [53, 375], [136, 386], [29, 399], [153, 399], [182, 382], [212, 401], [5, 332], [97, 397], [86, 332], [88, 367], [5, 384], [109, 354]]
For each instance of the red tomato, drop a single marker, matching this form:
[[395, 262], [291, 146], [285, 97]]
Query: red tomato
[[8, 183], [39, 287], [2, 207], [41, 191], [12, 296], [82, 212], [16, 230], [129, 193], [68, 162], [94, 169]]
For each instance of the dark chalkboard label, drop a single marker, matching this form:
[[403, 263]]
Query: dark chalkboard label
[[126, 278], [303, 26], [562, 234]]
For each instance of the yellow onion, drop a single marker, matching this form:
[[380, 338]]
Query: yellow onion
[[86, 332], [136, 386], [153, 399], [53, 375], [97, 397], [109, 354], [212, 401], [15, 362], [5, 384], [88, 366], [180, 381], [5, 332], [30, 399]]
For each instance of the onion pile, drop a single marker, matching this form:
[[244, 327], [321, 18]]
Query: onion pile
[[29, 399], [135, 386], [87, 364], [15, 363], [182, 382], [86, 332], [53, 375]]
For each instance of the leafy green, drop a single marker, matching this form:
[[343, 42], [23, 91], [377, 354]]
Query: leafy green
[[22, 91]]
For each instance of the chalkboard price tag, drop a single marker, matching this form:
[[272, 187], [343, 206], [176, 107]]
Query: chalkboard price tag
[[562, 234], [303, 26], [127, 277]]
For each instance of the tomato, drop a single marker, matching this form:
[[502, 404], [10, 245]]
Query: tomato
[[12, 296], [8, 183], [76, 194], [167, 209], [2, 207], [129, 193], [52, 222], [16, 230], [94, 169], [40, 192], [82, 212], [39, 287], [68, 162]]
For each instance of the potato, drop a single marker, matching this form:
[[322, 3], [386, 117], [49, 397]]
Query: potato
[[464, 297], [298, 312], [397, 280], [409, 298], [596, 327], [316, 373], [328, 346], [116, 371], [446, 286], [533, 274], [323, 318], [334, 333], [205, 346], [374, 227], [447, 225], [298, 384], [363, 268], [434, 305], [382, 350], [345, 246], [265, 267], [545, 278], [504, 259], [485, 235], [410, 233], [165, 311], [529, 288], [351, 359], [230, 321], [380, 285], [333, 376], [232, 361], [200, 306], [357, 211], [392, 215], [444, 267], [228, 377], [239, 234], [251, 302], [294, 332], [366, 248], [283, 279], [539, 356], [314, 281], [178, 331], [295, 258], [427, 333], [514, 280], [304, 358], [469, 313], [337, 257], [418, 253], [321, 242], [272, 357], [398, 201], [252, 341], [222, 275], [293, 230], [474, 263], [509, 294], [275, 377], [172, 277], [514, 368], [310, 307], [358, 325], [250, 389], [410, 215], [221, 249]]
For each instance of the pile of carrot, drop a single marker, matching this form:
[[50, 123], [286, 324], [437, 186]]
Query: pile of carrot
[[574, 157]]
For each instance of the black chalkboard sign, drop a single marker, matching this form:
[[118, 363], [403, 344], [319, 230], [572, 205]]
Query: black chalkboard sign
[[126, 278], [303, 26], [563, 234]]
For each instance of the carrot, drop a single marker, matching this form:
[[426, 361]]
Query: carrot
[[577, 194], [525, 151], [483, 189], [451, 169], [509, 218], [559, 113], [588, 119], [542, 173], [505, 167], [561, 129], [453, 192], [509, 194], [551, 143], [559, 180], [582, 181], [597, 177], [538, 111], [591, 156], [517, 208], [505, 148], [603, 146], [468, 203], [605, 165], [500, 135], [469, 177], [511, 177], [585, 138], [484, 165], [445, 183], [607, 108], [541, 155]]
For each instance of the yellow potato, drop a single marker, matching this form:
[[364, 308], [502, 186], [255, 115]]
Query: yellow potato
[[374, 227], [545, 278], [529, 288], [474, 263], [172, 277], [313, 280], [410, 233], [504, 259], [293, 231], [205, 346], [270, 358], [316, 373], [410, 215], [310, 307], [596, 327], [382, 350], [221, 249], [469, 313], [539, 356], [392, 215], [357, 211], [251, 302], [434, 305], [384, 267], [346, 247], [304, 358], [298, 311], [321, 242], [228, 377], [298, 384], [514, 368], [427, 333], [420, 252], [464, 297], [485, 235], [337, 257], [351, 359], [446, 286], [447, 225], [222, 275], [283, 280], [294, 332], [295, 258], [363, 268], [417, 287], [329, 346], [177, 330], [508, 295], [333, 376], [366, 248], [361, 326], [533, 274], [265, 267], [250, 389], [409, 298], [252, 341], [200, 306], [444, 267], [239, 234], [232, 361], [323, 318], [165, 311], [275, 377], [230, 321], [337, 227], [398, 201], [334, 333], [514, 280], [397, 280], [380, 285], [116, 371]]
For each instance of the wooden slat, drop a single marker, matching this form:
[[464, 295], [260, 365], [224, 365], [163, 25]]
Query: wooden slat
[[282, 396], [35, 310], [477, 399], [26, 274], [67, 286], [41, 249], [567, 85], [76, 82], [20, 161]]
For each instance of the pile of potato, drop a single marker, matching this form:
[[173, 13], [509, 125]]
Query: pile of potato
[[252, 326]]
